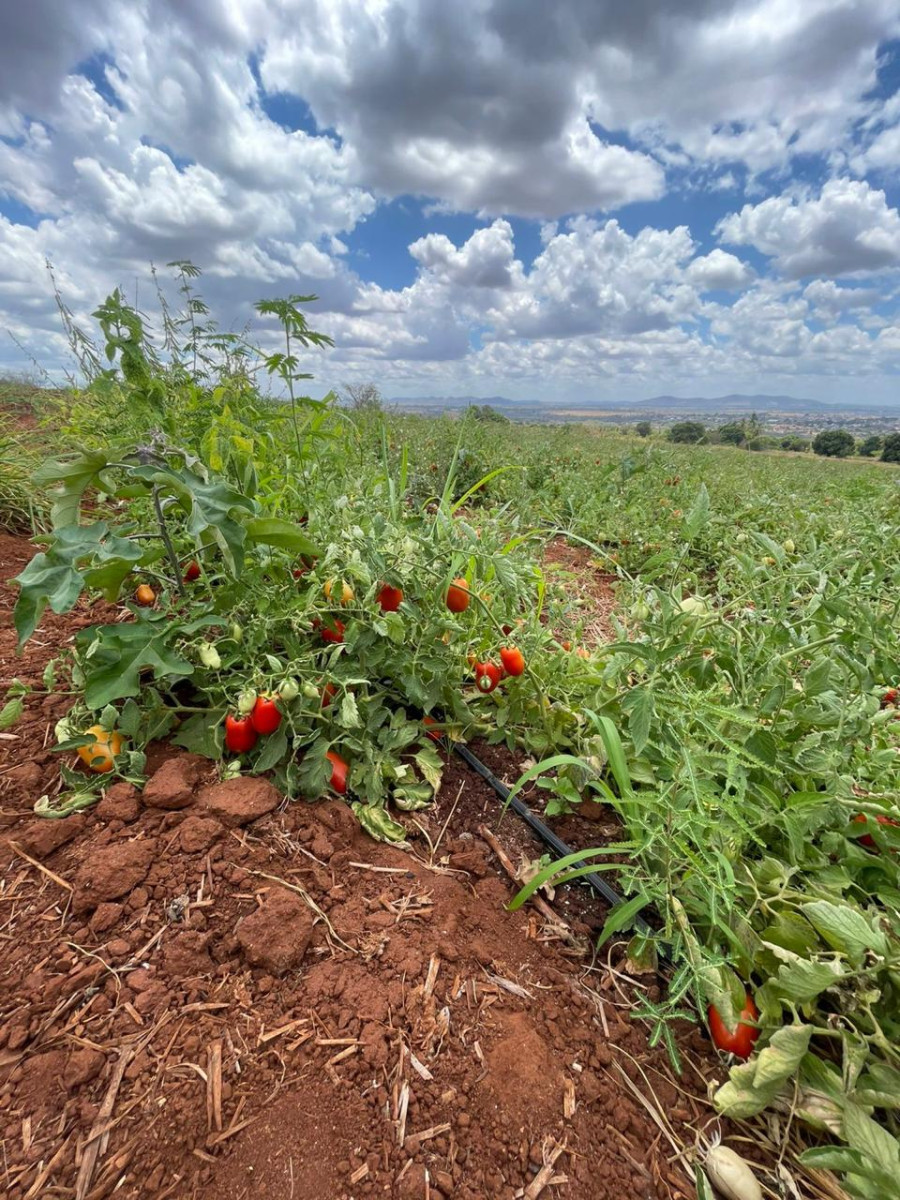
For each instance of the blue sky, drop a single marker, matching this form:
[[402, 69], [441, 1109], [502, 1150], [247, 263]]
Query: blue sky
[[587, 200]]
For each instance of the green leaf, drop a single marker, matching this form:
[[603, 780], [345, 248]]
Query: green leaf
[[639, 706], [411, 797], [286, 535], [880, 1151], [44, 581], [783, 1055], [753, 1085], [431, 765], [621, 916], [349, 714], [202, 734], [802, 981], [119, 653], [72, 477], [845, 929], [11, 712], [699, 514], [879, 1086], [274, 749], [377, 823]]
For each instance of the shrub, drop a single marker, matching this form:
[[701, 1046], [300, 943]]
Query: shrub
[[794, 441], [833, 443], [687, 431], [870, 446], [643, 429], [891, 450]]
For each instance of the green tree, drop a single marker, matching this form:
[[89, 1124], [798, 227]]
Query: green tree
[[643, 429], [891, 449], [687, 431], [734, 433], [833, 443], [870, 446]]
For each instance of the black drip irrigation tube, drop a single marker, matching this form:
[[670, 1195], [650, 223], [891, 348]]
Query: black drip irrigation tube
[[544, 832]]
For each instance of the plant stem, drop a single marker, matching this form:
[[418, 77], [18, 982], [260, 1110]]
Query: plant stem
[[170, 549]]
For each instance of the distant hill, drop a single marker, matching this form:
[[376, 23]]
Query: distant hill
[[693, 404], [733, 403]]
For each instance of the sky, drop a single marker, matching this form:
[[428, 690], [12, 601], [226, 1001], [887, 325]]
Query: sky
[[579, 201]]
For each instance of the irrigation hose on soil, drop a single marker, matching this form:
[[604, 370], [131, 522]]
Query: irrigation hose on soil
[[547, 836]]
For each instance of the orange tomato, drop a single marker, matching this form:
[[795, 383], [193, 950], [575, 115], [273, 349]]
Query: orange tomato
[[99, 755], [145, 595]]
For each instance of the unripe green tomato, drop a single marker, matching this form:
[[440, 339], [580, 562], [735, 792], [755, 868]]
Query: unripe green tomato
[[310, 691], [289, 690], [246, 701], [237, 634], [209, 656], [788, 545]]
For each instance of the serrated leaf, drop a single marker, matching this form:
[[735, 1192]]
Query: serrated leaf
[[349, 714], [779, 1060], [802, 981], [845, 929], [44, 581], [431, 765], [118, 655], [640, 717], [72, 477]]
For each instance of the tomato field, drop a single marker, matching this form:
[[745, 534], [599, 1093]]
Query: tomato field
[[284, 590]]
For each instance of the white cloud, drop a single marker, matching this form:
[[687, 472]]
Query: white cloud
[[848, 230], [719, 270], [498, 108]]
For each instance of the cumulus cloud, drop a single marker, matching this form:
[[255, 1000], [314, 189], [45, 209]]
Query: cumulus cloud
[[143, 132], [719, 270], [849, 229]]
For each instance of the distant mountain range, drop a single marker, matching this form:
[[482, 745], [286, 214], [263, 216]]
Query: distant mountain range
[[733, 403]]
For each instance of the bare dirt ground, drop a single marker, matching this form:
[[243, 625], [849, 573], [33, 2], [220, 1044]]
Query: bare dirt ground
[[207, 992]]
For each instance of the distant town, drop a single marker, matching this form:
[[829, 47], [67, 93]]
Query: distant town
[[776, 415]]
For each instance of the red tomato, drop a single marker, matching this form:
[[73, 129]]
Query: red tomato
[[738, 1041], [192, 572], [339, 771], [329, 691], [867, 839], [432, 733], [487, 676], [265, 715], [331, 633], [390, 598], [513, 660], [240, 736], [458, 596], [889, 697]]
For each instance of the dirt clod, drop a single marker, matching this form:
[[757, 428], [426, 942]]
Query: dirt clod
[[174, 784], [276, 937], [239, 801], [112, 872]]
